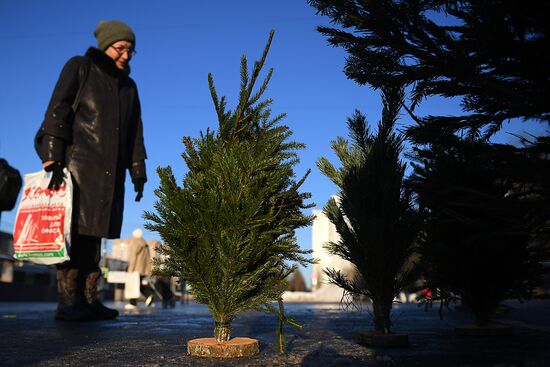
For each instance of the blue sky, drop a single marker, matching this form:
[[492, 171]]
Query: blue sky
[[178, 44]]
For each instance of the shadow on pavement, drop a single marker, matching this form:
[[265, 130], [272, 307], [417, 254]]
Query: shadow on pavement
[[330, 357]]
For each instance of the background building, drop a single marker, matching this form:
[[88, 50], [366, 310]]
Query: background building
[[324, 231]]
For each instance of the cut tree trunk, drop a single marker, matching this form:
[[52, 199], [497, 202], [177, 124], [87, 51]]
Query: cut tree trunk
[[222, 331], [381, 311], [234, 348]]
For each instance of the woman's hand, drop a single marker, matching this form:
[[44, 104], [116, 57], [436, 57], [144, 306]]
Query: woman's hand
[[56, 168]]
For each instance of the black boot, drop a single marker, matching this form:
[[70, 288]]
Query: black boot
[[100, 312], [71, 304]]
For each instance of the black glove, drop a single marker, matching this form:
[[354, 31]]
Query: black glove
[[56, 181], [138, 187]]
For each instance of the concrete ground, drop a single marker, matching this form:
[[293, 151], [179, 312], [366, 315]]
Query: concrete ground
[[29, 336]]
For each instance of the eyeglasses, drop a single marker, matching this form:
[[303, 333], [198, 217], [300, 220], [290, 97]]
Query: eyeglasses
[[121, 49]]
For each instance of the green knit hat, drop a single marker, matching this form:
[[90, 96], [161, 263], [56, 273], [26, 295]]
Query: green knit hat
[[109, 32]]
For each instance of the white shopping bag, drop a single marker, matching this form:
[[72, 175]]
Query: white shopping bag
[[43, 223], [131, 286]]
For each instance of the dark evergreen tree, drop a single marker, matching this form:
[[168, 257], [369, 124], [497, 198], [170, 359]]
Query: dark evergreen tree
[[493, 55], [373, 212], [479, 241], [228, 231]]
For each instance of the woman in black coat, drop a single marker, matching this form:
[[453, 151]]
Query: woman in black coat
[[93, 128]]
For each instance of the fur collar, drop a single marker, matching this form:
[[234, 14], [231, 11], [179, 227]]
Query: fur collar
[[107, 64]]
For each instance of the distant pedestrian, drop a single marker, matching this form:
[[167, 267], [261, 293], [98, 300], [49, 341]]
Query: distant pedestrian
[[97, 141], [140, 261]]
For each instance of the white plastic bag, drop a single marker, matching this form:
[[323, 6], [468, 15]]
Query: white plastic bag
[[131, 286], [42, 230]]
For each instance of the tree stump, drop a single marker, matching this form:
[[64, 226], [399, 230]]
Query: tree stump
[[233, 348], [492, 330], [373, 338]]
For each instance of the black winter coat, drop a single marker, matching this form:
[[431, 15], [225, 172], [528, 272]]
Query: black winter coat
[[98, 142]]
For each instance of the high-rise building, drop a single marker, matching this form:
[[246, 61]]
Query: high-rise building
[[324, 231]]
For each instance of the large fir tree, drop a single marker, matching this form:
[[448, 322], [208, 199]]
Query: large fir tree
[[373, 213], [492, 56], [228, 231]]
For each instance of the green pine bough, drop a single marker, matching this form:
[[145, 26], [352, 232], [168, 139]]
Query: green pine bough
[[228, 231]]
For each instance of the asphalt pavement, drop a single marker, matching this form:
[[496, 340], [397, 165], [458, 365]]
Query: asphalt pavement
[[29, 336]]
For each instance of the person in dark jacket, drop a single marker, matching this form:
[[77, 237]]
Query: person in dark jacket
[[93, 128]]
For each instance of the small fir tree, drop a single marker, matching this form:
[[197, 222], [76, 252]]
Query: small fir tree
[[373, 212], [229, 229]]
